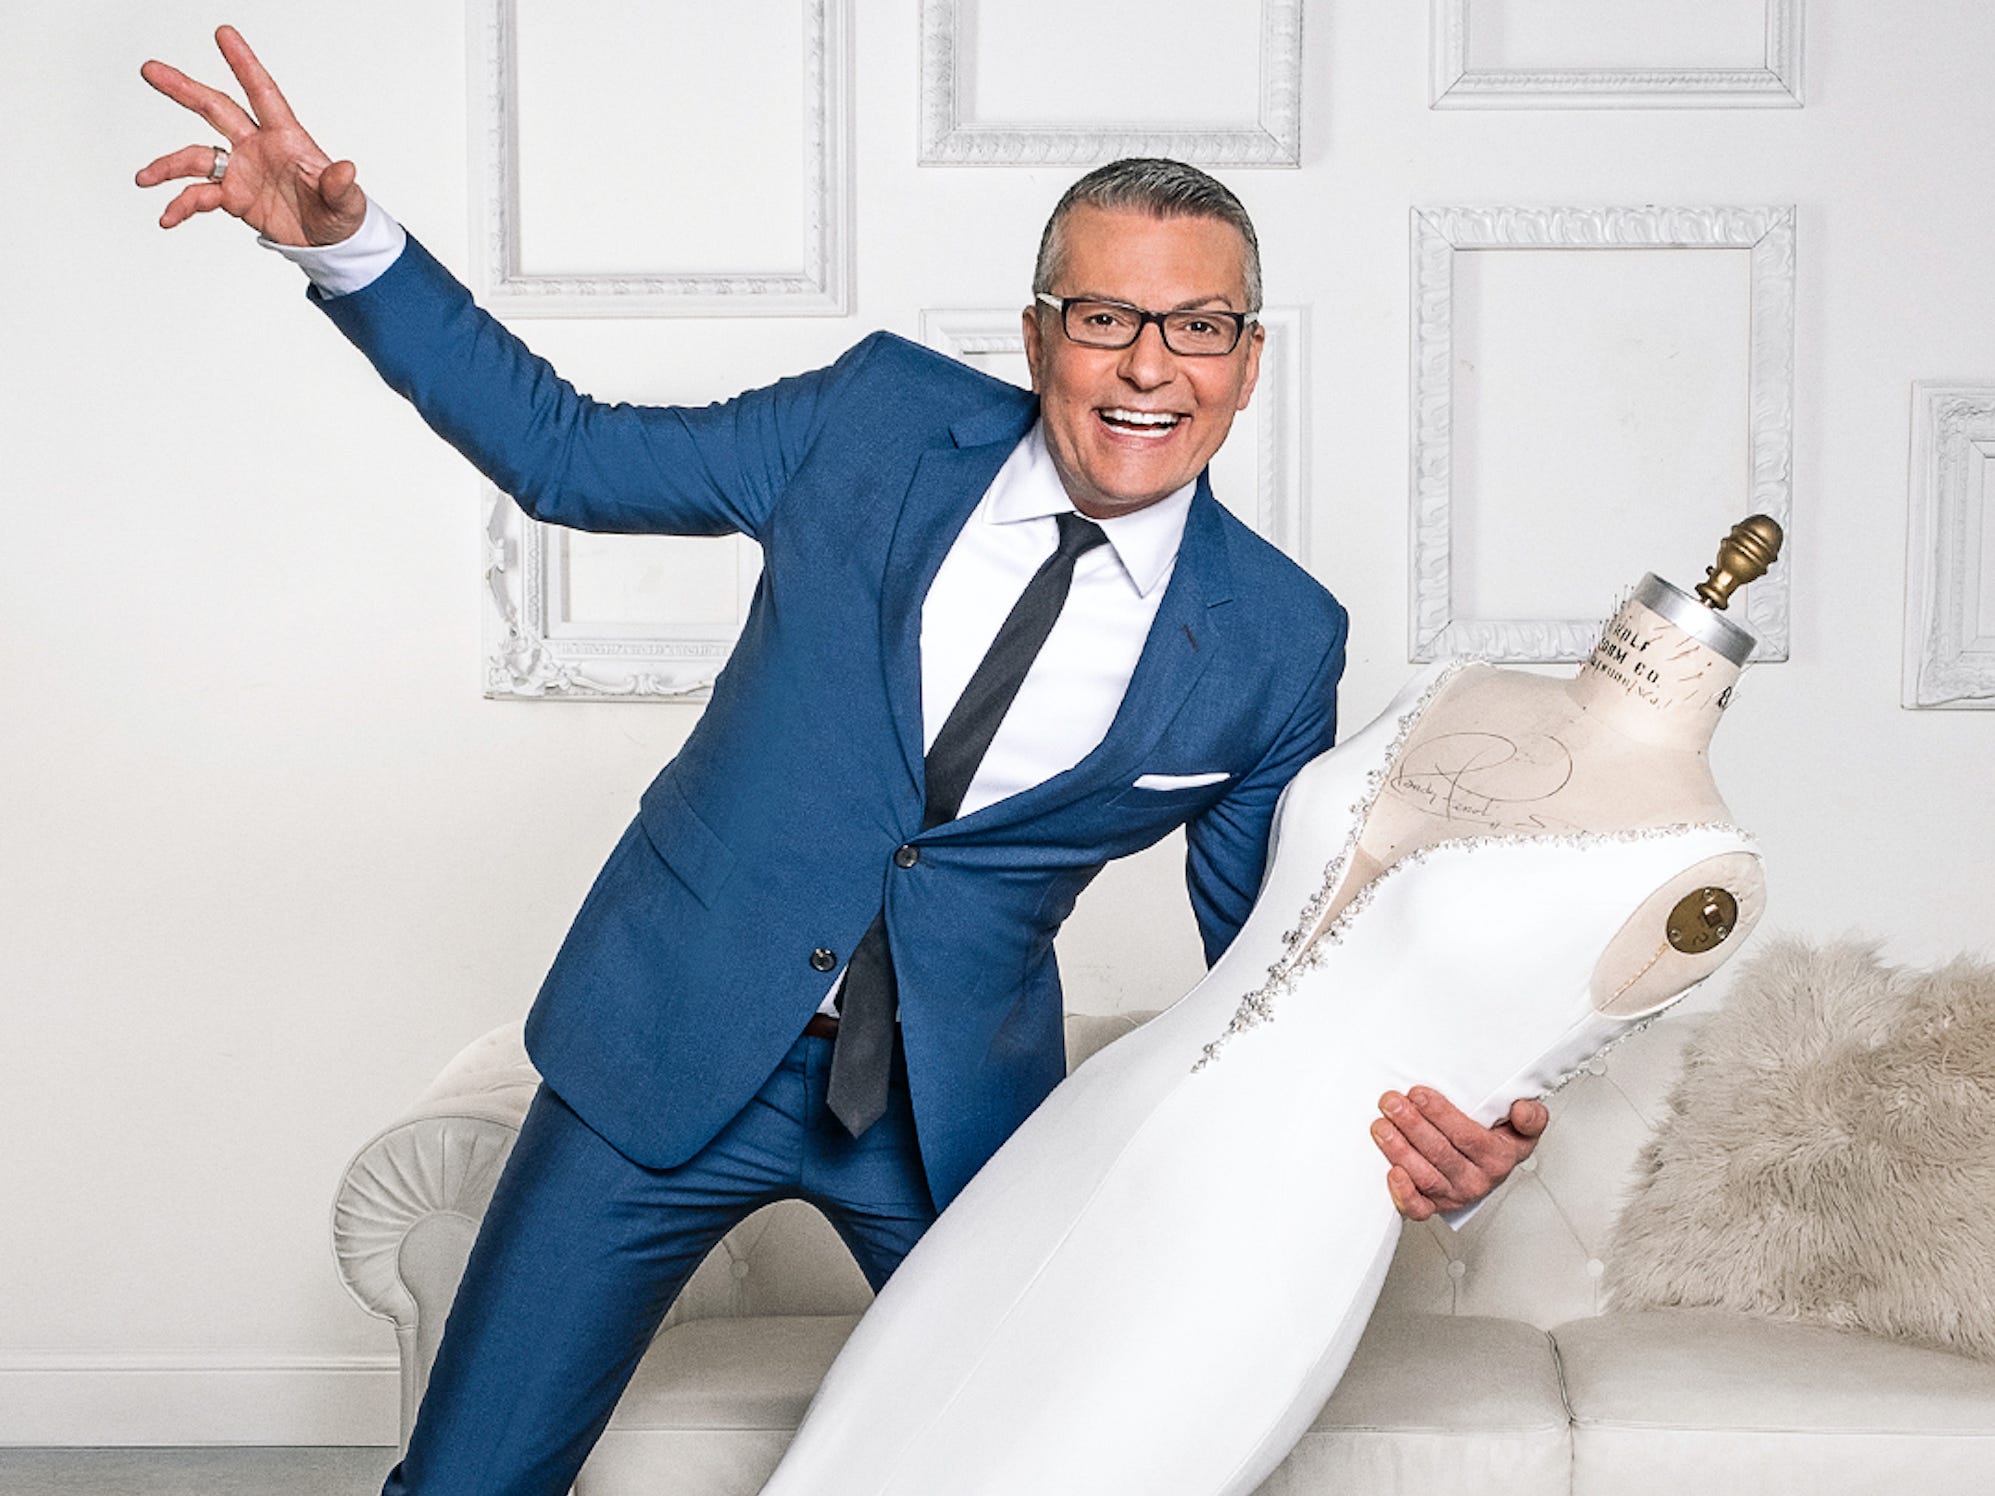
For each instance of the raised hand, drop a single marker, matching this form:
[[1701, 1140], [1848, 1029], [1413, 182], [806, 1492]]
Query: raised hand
[[1442, 1159], [277, 180]]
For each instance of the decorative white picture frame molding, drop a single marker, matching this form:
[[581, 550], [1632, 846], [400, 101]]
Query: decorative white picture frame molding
[[821, 286], [1776, 84], [1439, 234], [527, 654], [1949, 644], [1278, 515], [1273, 139]]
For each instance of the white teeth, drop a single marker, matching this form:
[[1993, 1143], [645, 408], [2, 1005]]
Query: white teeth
[[1141, 417]]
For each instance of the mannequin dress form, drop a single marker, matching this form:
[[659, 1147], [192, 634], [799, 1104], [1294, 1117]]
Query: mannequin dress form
[[1158, 1280]]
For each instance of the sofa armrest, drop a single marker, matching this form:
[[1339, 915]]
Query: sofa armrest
[[408, 1205]]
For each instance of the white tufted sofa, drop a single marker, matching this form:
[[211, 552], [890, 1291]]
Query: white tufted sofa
[[1488, 1368]]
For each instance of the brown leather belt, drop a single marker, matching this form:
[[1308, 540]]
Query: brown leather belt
[[822, 1026]]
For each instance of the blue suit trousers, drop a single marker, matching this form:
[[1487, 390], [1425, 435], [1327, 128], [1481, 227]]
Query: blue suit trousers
[[582, 1252]]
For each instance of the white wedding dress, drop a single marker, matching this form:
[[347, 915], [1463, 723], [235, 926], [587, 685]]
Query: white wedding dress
[[1155, 1284]]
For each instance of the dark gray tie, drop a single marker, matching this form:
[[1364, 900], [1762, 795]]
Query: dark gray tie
[[862, 1055]]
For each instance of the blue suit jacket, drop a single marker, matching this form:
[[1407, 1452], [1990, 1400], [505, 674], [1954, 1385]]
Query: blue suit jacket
[[687, 974]]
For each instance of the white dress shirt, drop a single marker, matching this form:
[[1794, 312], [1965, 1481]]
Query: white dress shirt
[[1076, 684], [1071, 693]]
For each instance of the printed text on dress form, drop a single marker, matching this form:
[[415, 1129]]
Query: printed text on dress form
[[1659, 665]]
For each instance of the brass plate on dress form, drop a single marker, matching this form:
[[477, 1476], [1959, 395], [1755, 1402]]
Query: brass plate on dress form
[[1702, 919]]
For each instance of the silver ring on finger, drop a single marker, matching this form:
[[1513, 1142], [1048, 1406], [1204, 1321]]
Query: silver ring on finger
[[221, 167]]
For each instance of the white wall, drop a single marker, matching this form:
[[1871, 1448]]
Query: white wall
[[269, 859]]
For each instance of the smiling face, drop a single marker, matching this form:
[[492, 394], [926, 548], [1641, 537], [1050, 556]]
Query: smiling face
[[1128, 426]]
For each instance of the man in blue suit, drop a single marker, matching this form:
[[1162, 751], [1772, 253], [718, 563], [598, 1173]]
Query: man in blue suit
[[999, 639]]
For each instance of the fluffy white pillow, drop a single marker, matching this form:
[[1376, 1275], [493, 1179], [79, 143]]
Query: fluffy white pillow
[[1829, 1154]]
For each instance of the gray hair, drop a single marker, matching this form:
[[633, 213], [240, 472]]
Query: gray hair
[[1161, 188]]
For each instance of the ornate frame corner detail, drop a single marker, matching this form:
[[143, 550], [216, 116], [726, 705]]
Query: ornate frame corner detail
[[1274, 139], [1775, 84], [524, 657], [822, 286], [1438, 235], [1949, 648]]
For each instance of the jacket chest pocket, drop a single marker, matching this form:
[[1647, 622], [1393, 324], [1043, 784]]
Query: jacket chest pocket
[[1178, 802]]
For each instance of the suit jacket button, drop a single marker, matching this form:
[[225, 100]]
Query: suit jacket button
[[823, 959], [906, 856]]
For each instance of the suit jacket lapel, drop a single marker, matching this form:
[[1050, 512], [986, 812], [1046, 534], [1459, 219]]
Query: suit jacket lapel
[[948, 482], [1181, 646]]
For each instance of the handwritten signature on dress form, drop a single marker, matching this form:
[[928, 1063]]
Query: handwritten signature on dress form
[[1481, 778]]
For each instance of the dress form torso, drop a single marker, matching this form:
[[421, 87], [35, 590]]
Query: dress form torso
[[1618, 747], [1078, 1320]]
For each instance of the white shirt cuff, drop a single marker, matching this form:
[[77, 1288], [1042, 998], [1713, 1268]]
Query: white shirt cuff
[[354, 262], [1459, 1218]]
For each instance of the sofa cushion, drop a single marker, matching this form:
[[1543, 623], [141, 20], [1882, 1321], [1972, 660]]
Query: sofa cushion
[[1438, 1402], [756, 1371], [713, 1406], [1428, 1398], [1707, 1400]]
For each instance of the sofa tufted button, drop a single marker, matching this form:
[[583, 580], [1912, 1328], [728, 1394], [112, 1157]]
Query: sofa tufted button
[[1529, 1166], [740, 1269], [1596, 1066], [1458, 1269], [1595, 1267]]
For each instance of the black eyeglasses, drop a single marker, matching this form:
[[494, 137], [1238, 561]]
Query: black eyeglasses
[[1116, 324]]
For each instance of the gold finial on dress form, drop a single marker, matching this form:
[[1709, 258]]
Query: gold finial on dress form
[[1744, 554]]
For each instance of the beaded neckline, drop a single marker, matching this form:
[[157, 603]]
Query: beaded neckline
[[1302, 952]]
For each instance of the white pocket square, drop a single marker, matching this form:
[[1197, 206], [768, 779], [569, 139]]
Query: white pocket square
[[1178, 781]]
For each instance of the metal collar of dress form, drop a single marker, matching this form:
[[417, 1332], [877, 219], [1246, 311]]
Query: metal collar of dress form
[[1707, 626]]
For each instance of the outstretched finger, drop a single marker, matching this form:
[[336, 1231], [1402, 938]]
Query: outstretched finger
[[214, 106], [200, 198], [256, 81], [188, 161]]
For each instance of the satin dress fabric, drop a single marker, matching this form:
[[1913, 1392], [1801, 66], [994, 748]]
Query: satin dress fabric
[[1154, 1285]]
